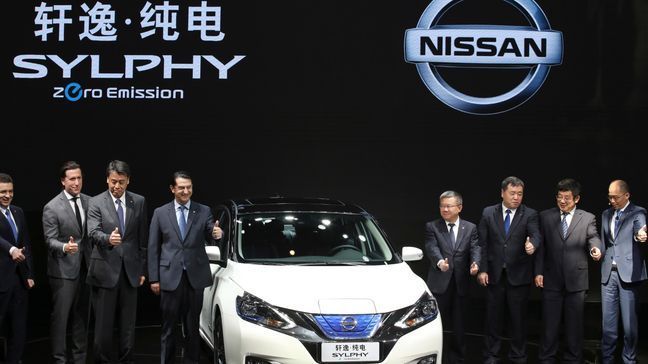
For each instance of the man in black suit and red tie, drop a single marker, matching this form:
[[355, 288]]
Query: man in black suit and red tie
[[570, 239], [509, 235], [16, 275], [452, 245]]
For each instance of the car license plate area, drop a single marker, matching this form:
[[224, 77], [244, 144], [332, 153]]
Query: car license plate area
[[350, 352]]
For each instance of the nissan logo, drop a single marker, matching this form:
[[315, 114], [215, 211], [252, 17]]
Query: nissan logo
[[348, 323]]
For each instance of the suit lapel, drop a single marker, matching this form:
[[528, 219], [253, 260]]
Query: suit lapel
[[578, 216], [192, 214], [519, 213], [605, 224], [173, 219], [445, 234], [460, 235], [130, 211], [110, 207], [499, 220], [67, 207]]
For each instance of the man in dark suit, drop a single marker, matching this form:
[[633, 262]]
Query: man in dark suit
[[569, 238], [623, 229], [117, 224], [178, 265], [452, 245], [508, 235], [68, 257], [16, 275]]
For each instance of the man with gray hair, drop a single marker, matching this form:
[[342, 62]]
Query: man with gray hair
[[452, 245], [509, 234]]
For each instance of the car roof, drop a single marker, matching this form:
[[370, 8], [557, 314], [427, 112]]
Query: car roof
[[295, 204]]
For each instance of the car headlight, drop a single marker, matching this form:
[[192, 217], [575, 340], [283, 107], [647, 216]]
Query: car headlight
[[423, 311], [256, 310]]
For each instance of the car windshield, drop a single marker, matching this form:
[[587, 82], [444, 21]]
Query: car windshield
[[311, 238]]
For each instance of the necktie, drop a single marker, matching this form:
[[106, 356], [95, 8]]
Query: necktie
[[182, 223], [77, 212], [452, 235], [12, 224], [507, 222], [617, 223], [563, 224], [120, 216]]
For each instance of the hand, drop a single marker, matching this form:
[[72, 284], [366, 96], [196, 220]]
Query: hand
[[18, 255], [71, 247], [474, 268], [528, 247], [482, 278], [142, 279], [115, 237], [217, 232], [30, 283], [595, 253], [539, 281], [642, 236], [155, 288], [444, 266]]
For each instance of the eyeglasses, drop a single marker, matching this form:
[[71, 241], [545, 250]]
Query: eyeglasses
[[448, 206], [615, 197], [564, 198]]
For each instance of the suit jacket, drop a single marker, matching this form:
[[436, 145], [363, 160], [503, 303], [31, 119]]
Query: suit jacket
[[498, 249], [59, 223], [7, 240], [460, 256], [564, 261], [106, 260], [167, 252], [625, 251]]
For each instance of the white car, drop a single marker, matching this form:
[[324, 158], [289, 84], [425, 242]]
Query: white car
[[314, 281]]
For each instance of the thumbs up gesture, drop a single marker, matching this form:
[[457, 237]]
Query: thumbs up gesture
[[443, 265], [71, 247], [115, 237], [474, 268], [217, 232], [528, 247], [642, 236]]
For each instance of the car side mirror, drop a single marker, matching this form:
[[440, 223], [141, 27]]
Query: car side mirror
[[213, 253], [410, 253]]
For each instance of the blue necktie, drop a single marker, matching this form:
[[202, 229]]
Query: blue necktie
[[507, 222], [452, 236], [563, 224], [617, 223], [120, 216], [182, 223], [14, 229]]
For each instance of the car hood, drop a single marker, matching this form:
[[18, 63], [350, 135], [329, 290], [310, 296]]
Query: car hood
[[332, 289]]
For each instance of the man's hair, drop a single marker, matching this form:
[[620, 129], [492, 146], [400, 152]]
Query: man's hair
[[5, 178], [513, 181], [179, 174], [68, 166], [623, 185], [569, 184], [118, 167], [450, 194]]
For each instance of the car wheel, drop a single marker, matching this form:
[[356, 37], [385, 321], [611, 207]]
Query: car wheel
[[219, 342]]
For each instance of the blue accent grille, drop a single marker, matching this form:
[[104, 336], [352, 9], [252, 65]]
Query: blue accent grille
[[340, 327]]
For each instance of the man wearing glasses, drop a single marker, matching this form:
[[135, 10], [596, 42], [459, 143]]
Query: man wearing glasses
[[623, 229], [452, 245], [569, 239]]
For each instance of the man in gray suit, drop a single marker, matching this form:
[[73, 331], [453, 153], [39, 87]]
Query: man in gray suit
[[68, 257], [452, 245], [117, 224], [178, 265], [569, 239], [623, 229]]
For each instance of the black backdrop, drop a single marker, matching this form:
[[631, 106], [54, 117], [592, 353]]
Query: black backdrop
[[324, 104]]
